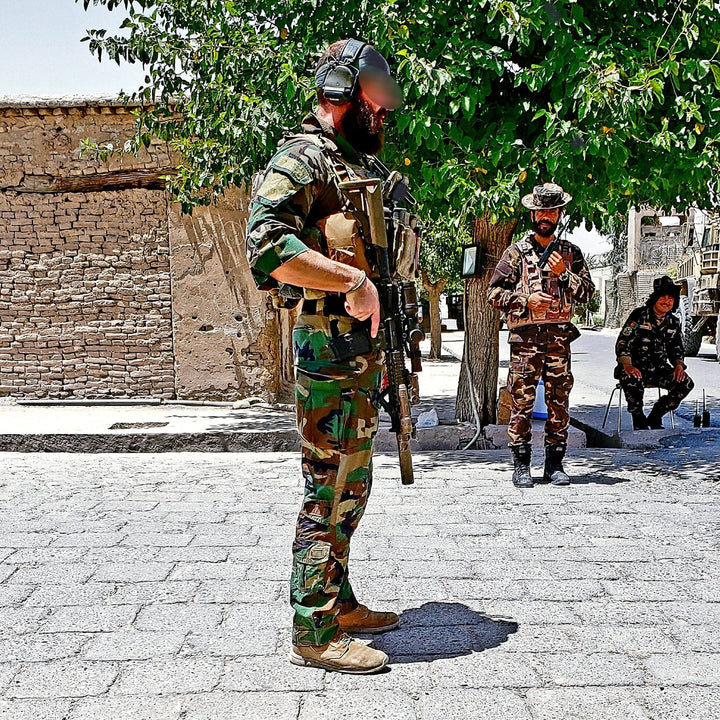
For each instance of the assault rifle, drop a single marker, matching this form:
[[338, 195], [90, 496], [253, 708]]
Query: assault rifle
[[399, 334], [549, 250]]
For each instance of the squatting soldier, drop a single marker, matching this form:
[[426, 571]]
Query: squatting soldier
[[650, 352], [538, 300], [307, 240]]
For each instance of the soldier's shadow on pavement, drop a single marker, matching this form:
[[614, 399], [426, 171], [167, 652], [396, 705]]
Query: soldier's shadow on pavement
[[438, 630]]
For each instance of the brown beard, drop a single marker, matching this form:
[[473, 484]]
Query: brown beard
[[544, 233], [362, 128]]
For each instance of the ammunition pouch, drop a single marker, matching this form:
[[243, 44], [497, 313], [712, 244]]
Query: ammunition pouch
[[352, 344]]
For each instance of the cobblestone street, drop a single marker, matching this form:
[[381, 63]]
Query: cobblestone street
[[155, 587]]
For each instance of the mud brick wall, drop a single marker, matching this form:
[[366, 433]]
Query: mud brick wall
[[85, 301], [115, 293], [85, 292]]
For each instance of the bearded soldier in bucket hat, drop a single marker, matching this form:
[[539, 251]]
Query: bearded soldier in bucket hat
[[306, 241], [536, 285]]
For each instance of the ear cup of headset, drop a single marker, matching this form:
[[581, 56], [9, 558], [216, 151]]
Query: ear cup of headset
[[339, 84]]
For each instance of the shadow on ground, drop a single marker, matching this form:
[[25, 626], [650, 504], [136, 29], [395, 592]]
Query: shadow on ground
[[438, 630], [687, 456]]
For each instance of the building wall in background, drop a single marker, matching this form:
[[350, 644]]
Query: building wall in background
[[105, 289]]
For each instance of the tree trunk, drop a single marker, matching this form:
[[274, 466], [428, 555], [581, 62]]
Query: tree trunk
[[434, 290], [482, 325]]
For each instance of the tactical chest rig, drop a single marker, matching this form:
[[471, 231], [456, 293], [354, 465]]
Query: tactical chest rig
[[533, 279], [374, 232]]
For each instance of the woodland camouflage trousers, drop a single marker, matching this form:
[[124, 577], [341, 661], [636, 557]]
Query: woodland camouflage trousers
[[634, 388], [337, 420], [546, 357]]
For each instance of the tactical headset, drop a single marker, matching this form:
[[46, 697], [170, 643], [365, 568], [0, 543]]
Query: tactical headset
[[338, 78]]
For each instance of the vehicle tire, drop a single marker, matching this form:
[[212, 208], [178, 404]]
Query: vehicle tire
[[692, 339]]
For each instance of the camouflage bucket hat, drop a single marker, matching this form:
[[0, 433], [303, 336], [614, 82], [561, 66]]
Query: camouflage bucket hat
[[665, 285], [546, 197]]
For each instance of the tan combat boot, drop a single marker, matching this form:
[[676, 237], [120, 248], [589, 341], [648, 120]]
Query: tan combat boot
[[343, 655], [364, 620]]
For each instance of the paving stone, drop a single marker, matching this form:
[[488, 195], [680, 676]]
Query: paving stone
[[373, 705], [133, 572], [224, 537], [150, 593], [251, 641], [636, 640], [11, 594], [564, 590], [686, 668], [168, 676], [490, 616], [698, 638], [469, 703], [542, 639], [532, 612], [133, 645], [270, 673], [39, 648], [480, 589], [209, 571], [189, 617], [192, 554], [90, 619], [17, 620], [62, 679], [268, 705], [34, 709], [607, 611], [583, 703], [230, 590], [488, 669], [25, 539], [686, 703], [156, 539], [647, 591], [601, 669], [98, 539], [64, 573], [74, 594], [127, 708]]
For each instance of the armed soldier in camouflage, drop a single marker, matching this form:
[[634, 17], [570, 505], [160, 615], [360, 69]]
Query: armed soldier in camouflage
[[650, 351], [307, 240], [536, 284]]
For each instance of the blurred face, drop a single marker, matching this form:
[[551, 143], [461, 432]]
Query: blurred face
[[545, 222], [362, 124], [663, 305]]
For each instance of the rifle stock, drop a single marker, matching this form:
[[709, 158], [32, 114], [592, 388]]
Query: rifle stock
[[399, 335]]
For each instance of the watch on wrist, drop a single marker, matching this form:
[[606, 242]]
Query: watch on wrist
[[564, 276]]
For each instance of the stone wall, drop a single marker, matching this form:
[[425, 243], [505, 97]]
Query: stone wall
[[85, 304], [111, 292]]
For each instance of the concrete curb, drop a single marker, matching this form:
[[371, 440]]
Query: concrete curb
[[442, 437]]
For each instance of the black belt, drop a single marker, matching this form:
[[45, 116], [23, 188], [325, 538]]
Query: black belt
[[329, 305]]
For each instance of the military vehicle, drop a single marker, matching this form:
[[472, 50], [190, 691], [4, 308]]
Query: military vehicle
[[699, 277]]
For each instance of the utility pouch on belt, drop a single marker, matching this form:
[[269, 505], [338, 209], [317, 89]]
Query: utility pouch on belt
[[357, 342]]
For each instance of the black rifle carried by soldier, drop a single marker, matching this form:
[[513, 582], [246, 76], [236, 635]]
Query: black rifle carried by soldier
[[399, 335]]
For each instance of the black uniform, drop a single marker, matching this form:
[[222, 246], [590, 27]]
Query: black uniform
[[653, 347]]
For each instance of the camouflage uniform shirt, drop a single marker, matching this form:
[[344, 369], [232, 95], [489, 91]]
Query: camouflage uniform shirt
[[506, 294], [298, 188], [651, 346]]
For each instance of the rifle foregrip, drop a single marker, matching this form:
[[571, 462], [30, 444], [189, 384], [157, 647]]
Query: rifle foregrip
[[406, 467]]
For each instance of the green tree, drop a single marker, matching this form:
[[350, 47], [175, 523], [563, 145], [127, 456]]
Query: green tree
[[617, 101], [440, 270]]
